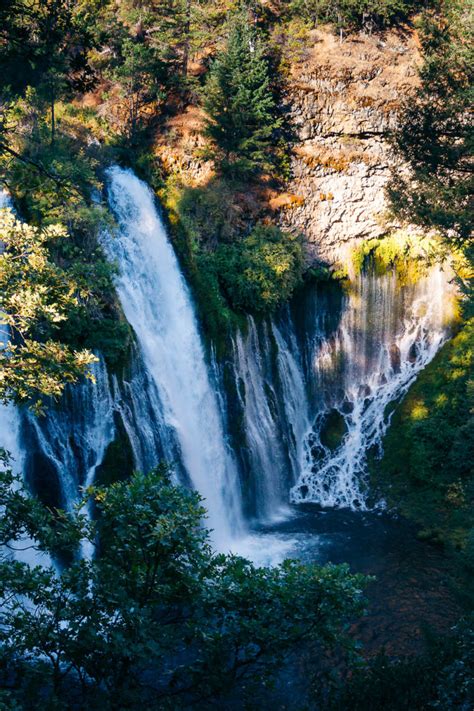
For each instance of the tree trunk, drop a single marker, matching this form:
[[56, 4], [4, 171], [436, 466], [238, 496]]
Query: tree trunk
[[53, 120], [187, 38]]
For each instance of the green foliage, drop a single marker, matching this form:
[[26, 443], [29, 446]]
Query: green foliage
[[47, 185], [208, 213], [36, 296], [140, 74], [429, 448], [410, 254], [261, 271], [65, 195], [229, 273], [435, 135], [353, 14], [156, 620], [440, 678], [44, 44], [240, 103]]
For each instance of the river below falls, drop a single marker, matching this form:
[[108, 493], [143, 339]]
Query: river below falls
[[412, 592], [413, 579]]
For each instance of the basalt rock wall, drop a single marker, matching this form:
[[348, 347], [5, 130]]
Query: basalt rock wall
[[345, 99]]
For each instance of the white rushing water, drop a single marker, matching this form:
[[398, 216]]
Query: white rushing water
[[157, 303], [266, 453], [75, 434], [302, 405], [386, 335]]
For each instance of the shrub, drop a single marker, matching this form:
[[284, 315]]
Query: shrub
[[261, 271]]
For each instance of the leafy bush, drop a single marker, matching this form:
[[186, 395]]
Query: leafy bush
[[157, 620], [260, 272]]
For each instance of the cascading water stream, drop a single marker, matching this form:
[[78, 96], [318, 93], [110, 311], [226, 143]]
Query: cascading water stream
[[157, 304], [348, 363], [71, 440], [387, 334], [267, 460]]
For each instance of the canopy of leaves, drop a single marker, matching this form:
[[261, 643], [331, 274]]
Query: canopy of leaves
[[45, 42], [156, 619], [436, 132], [261, 271], [36, 296]]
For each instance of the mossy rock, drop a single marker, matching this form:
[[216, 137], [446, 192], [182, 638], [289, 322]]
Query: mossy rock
[[118, 462], [426, 470], [333, 430]]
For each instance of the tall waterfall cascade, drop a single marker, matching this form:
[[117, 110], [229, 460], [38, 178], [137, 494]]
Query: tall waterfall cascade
[[288, 416], [157, 304]]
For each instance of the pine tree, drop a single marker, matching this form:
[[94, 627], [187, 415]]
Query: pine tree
[[435, 136], [240, 103]]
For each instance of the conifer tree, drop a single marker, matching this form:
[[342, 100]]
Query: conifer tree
[[239, 101], [435, 136]]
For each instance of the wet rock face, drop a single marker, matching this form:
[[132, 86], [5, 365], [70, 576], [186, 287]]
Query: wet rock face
[[344, 102]]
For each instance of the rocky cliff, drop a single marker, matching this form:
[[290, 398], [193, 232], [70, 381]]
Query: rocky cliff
[[344, 99]]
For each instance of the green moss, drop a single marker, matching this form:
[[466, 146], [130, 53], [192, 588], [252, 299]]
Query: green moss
[[333, 430], [427, 469], [409, 254], [118, 463]]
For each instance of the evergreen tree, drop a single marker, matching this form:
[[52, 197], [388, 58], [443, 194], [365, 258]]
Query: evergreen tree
[[239, 101], [435, 135]]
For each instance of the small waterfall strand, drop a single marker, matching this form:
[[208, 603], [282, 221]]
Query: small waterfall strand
[[386, 336]]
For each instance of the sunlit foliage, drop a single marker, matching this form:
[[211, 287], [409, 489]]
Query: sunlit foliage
[[36, 296]]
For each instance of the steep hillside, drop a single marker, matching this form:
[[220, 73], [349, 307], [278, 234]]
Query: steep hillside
[[342, 100]]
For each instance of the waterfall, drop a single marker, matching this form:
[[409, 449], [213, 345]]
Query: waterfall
[[65, 447], [137, 403], [294, 394], [288, 416], [271, 394], [315, 404], [386, 335], [158, 305]]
